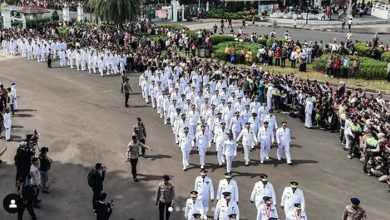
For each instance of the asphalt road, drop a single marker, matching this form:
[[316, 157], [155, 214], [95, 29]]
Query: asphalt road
[[82, 120], [298, 34]]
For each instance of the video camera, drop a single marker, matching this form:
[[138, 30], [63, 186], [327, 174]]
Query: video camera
[[110, 204], [31, 142]]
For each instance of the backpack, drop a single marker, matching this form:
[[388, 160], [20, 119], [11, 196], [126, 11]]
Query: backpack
[[89, 177]]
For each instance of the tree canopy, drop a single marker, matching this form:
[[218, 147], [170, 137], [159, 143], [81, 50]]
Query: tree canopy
[[116, 11]]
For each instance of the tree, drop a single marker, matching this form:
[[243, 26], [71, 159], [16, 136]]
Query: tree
[[116, 12], [55, 16]]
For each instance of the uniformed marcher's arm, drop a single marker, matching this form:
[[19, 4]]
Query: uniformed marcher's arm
[[345, 214]]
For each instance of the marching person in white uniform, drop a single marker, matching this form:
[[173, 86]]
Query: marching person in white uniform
[[7, 125], [220, 136], [203, 140], [248, 141], [309, 112], [261, 189], [283, 138], [298, 213], [194, 205], [204, 186], [185, 143], [267, 210], [228, 185], [292, 195], [229, 151], [226, 208], [265, 137]]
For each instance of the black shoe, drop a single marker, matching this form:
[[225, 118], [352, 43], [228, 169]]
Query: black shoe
[[135, 179]]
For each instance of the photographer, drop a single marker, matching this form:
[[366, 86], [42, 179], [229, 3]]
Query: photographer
[[103, 210], [95, 181], [45, 165]]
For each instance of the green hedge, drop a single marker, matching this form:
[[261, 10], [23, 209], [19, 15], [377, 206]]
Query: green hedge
[[386, 56], [176, 27], [219, 50], [192, 34], [63, 31], [363, 50], [85, 24], [221, 14], [219, 38], [370, 68], [33, 23]]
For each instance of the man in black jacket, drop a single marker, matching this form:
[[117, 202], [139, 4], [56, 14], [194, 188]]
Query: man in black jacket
[[95, 181], [103, 210], [27, 194]]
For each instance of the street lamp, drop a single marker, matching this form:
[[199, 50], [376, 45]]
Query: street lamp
[[307, 10]]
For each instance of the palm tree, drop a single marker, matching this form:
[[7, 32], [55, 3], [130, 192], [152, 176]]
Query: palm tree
[[116, 11]]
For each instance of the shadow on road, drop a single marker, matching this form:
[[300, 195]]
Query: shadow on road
[[23, 115], [138, 106], [26, 110], [158, 156], [296, 145], [17, 126], [146, 177]]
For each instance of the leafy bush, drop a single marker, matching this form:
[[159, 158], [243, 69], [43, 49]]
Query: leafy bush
[[192, 34], [157, 37], [85, 24], [63, 31], [386, 56], [176, 27], [221, 14], [219, 38], [262, 41], [365, 51], [219, 50], [370, 68], [55, 16], [270, 41], [33, 23]]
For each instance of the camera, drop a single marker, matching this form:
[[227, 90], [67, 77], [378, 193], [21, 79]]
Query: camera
[[110, 204]]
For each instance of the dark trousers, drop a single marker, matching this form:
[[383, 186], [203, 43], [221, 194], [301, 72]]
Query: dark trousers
[[95, 197], [142, 149], [163, 207], [388, 76], [283, 63], [49, 63], [354, 146], [35, 201], [329, 71], [127, 95], [293, 62], [277, 61], [30, 211], [133, 163], [345, 73]]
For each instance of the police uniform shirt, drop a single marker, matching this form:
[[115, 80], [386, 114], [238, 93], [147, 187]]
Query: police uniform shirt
[[225, 186]]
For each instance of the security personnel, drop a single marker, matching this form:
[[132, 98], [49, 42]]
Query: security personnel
[[204, 186], [133, 154], [228, 185], [283, 138], [297, 213], [220, 136], [165, 198], [261, 189], [248, 141], [354, 135], [265, 136], [226, 208], [230, 151], [354, 211], [267, 210], [193, 205], [103, 210], [185, 144], [203, 140], [292, 195]]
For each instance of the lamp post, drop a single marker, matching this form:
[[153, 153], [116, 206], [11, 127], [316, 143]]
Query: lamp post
[[307, 10]]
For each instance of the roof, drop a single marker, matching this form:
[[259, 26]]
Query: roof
[[32, 9]]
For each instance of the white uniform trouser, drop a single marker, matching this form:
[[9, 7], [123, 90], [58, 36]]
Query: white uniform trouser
[[186, 157], [229, 161], [347, 140], [153, 100], [202, 156], [235, 134], [269, 102], [205, 202], [219, 150], [265, 147], [8, 133], [286, 147], [246, 147], [165, 117], [15, 103]]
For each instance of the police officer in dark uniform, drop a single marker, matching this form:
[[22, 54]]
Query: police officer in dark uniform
[[103, 210], [27, 193], [49, 59]]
